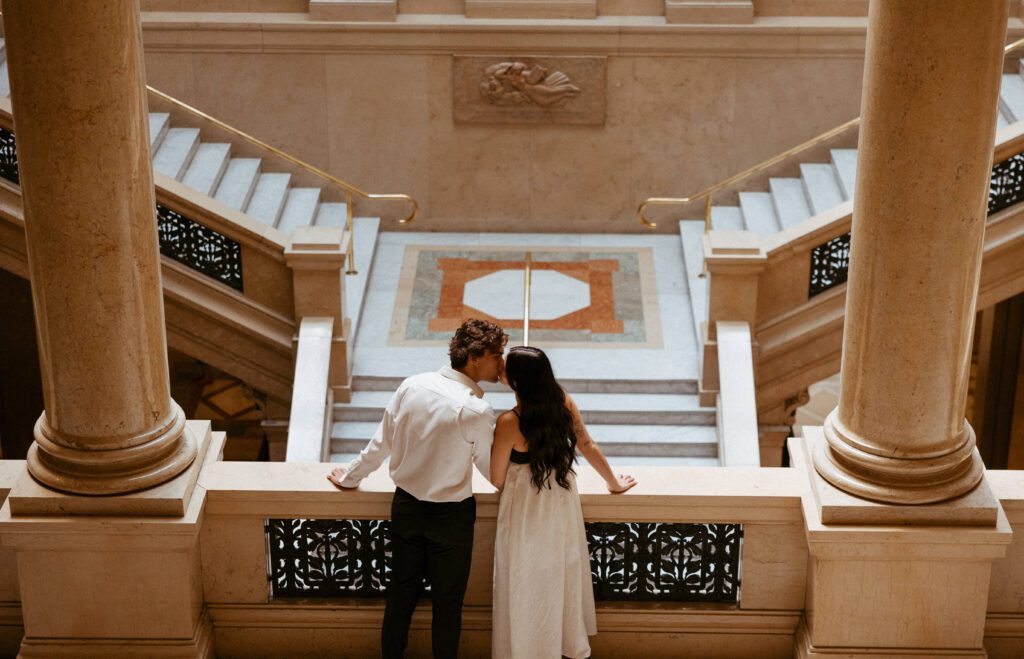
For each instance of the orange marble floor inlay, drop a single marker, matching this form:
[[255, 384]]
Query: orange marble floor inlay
[[583, 296], [599, 316]]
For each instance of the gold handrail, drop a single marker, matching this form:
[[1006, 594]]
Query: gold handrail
[[527, 272], [348, 187], [708, 192]]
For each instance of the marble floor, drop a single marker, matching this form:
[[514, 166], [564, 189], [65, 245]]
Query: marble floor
[[604, 307]]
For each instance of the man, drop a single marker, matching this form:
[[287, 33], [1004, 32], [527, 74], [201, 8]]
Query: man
[[435, 428]]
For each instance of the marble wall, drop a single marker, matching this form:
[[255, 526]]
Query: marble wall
[[678, 119]]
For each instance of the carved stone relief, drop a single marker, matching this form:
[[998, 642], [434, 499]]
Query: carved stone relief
[[529, 90]]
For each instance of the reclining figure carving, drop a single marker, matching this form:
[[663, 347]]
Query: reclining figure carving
[[516, 83]]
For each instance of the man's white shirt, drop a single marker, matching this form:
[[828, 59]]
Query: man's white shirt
[[435, 428]]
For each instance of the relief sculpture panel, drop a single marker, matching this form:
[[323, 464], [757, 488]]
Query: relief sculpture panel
[[529, 90]]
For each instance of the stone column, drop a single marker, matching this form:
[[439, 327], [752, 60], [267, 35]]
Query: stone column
[[79, 102], [931, 84]]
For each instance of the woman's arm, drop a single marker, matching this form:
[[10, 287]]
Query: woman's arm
[[501, 450], [617, 483]]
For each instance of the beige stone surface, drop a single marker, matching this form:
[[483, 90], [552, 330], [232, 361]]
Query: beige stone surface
[[682, 111], [234, 559], [898, 434], [774, 567]]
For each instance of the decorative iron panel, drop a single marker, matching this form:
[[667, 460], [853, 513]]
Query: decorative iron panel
[[628, 561], [329, 558], [830, 264], [666, 562], [1006, 185], [8, 157], [199, 247]]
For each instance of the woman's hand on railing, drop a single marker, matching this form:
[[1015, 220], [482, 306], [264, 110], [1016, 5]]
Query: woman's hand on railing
[[623, 482]]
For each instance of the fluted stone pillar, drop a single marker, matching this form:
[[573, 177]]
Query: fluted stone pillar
[[931, 85], [80, 114]]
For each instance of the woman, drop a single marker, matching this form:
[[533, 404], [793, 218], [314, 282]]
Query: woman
[[543, 597]]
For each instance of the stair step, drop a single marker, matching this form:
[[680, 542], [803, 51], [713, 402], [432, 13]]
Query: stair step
[[789, 200], [175, 152], [299, 209], [268, 198], [330, 214], [370, 382], [239, 182], [1001, 121], [159, 124], [1011, 96], [726, 218], [822, 187], [207, 167], [844, 161], [614, 439], [758, 213], [650, 409]]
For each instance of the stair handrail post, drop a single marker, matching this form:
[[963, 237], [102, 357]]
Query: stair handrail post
[[317, 256]]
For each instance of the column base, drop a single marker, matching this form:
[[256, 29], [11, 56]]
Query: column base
[[200, 646], [30, 497], [149, 460], [978, 507], [805, 649]]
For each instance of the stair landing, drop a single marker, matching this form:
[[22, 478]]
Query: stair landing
[[611, 311]]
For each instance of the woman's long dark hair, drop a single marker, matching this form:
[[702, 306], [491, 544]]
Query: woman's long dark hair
[[544, 420]]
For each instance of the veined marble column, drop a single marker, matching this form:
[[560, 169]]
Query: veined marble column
[[931, 84], [80, 113]]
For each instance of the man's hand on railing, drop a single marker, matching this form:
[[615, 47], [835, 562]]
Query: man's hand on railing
[[337, 475]]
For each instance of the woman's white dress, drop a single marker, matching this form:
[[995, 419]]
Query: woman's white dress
[[543, 594]]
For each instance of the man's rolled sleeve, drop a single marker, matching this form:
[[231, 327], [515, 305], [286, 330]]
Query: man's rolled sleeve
[[478, 429]]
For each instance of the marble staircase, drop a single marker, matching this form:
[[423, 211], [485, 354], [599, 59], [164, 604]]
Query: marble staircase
[[209, 167], [788, 201]]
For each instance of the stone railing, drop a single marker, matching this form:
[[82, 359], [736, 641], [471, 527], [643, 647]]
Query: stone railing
[[255, 614], [666, 559], [788, 287], [312, 400]]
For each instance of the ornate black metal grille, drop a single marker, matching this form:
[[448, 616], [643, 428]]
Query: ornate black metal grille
[[199, 247], [8, 157], [329, 558], [1006, 185], [628, 561], [830, 264], [674, 562]]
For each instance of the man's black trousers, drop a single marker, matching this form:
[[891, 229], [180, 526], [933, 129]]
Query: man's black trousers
[[433, 540]]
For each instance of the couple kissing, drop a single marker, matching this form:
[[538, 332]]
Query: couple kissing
[[435, 428]]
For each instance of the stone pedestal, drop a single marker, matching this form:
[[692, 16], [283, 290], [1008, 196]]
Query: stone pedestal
[[119, 585], [894, 590]]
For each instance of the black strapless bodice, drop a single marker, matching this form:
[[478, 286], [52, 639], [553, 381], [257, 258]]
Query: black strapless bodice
[[519, 457]]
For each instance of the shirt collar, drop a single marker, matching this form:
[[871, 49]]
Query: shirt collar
[[462, 378]]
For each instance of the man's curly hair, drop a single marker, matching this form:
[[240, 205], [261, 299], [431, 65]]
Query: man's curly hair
[[473, 339]]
